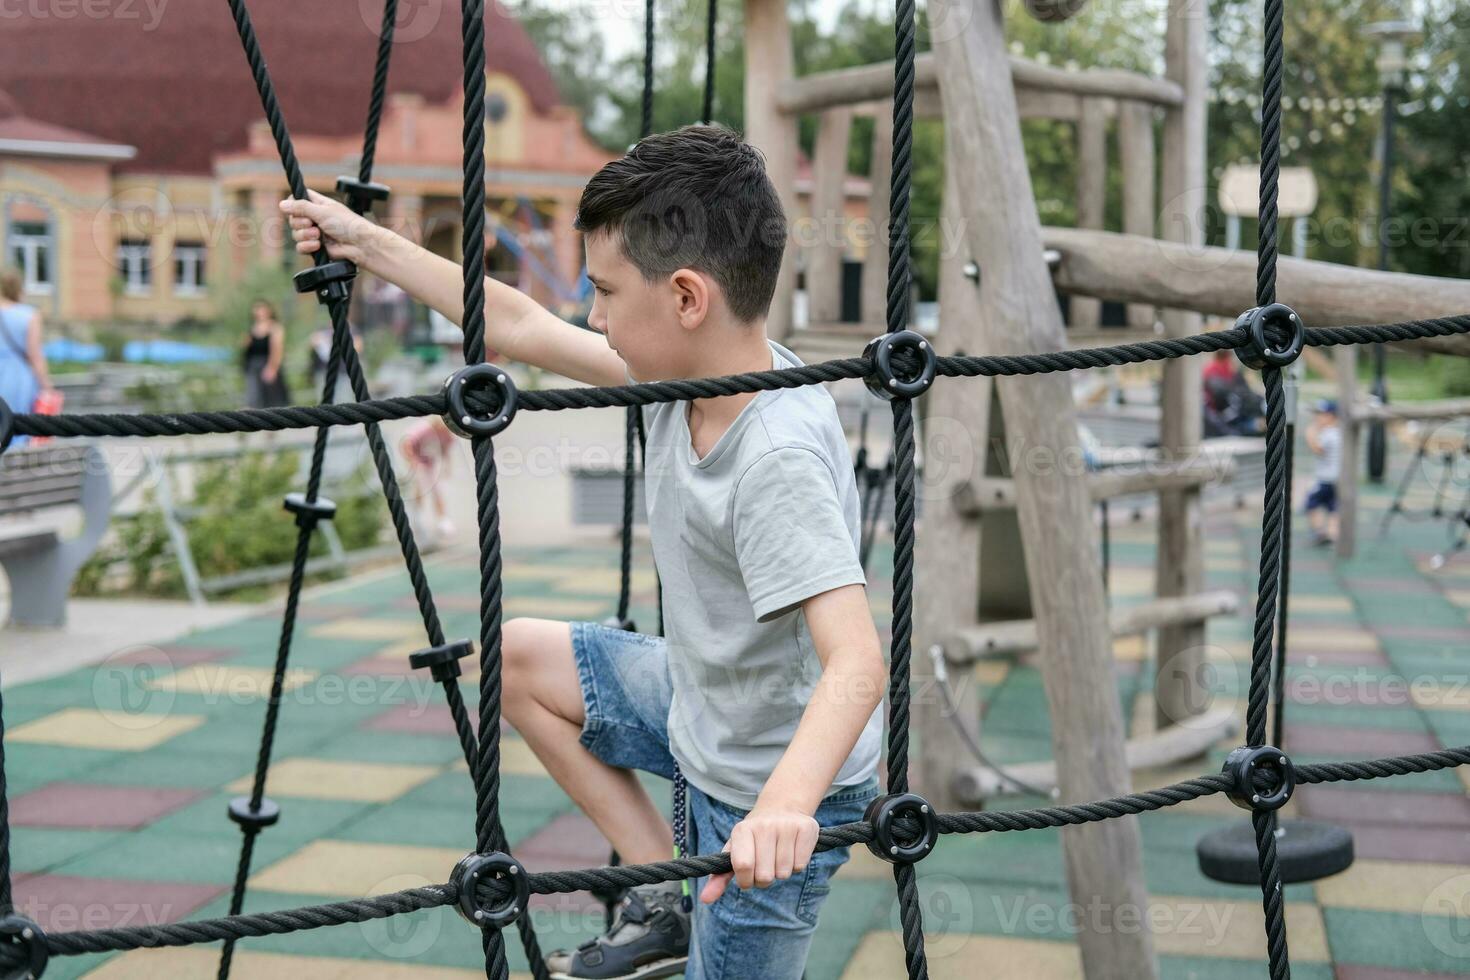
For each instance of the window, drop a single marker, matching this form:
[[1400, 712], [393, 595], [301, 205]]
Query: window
[[30, 251], [135, 265], [188, 269]]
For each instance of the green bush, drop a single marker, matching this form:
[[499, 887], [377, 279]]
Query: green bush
[[235, 524]]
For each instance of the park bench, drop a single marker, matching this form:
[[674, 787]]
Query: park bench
[[39, 488]]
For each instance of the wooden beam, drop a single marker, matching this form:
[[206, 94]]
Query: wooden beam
[[826, 244], [1167, 747], [1222, 282], [1085, 313], [981, 495], [768, 65], [1020, 636], [874, 301], [1019, 314], [866, 83], [1136, 150], [1448, 408]]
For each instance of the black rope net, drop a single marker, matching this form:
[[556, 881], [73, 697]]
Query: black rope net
[[489, 887]]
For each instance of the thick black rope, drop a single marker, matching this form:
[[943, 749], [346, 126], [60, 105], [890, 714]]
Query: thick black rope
[[1277, 491], [6, 899], [707, 110], [379, 92], [650, 393]]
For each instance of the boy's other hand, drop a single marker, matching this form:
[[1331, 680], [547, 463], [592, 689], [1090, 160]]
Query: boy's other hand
[[770, 844], [320, 220]]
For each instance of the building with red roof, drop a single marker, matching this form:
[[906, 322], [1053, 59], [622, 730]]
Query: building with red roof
[[137, 171]]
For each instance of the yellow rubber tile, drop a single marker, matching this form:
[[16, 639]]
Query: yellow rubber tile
[[990, 672], [1393, 886], [1215, 563], [958, 957], [602, 580], [1321, 604], [1331, 641], [387, 630], [558, 607], [225, 681], [531, 573], [195, 961], [121, 731], [1218, 929], [1130, 649], [1131, 582], [339, 867], [321, 779], [517, 759]]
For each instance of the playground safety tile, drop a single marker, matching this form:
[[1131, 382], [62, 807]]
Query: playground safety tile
[[1347, 971], [1340, 740], [1390, 807], [94, 807], [880, 956], [60, 903], [516, 758], [600, 581], [1399, 843], [338, 867], [159, 855], [1306, 638], [248, 964], [1305, 603], [1432, 941], [119, 731], [1390, 886], [376, 782], [415, 719], [218, 682], [384, 630], [558, 607], [1219, 929], [175, 654], [1436, 694], [301, 819]]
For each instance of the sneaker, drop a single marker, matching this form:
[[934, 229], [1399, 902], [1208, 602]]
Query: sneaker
[[649, 938]]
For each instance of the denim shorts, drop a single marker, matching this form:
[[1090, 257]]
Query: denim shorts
[[749, 933]]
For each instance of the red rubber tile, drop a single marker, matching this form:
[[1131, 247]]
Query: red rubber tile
[[61, 903], [1361, 743], [1354, 806], [91, 807]]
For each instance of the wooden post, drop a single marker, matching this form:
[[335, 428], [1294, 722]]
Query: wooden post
[[1092, 185], [1179, 560], [1347, 477], [1136, 153], [947, 573], [826, 240], [1019, 314], [875, 262], [768, 66]]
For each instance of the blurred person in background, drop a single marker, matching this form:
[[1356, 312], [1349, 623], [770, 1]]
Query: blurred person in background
[[24, 378]]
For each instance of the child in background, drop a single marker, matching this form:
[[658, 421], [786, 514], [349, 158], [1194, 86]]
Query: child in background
[[1325, 440], [428, 448]]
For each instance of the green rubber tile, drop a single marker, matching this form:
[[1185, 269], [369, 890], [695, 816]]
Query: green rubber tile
[[171, 767], [1200, 968], [416, 824], [1389, 719], [1398, 941], [370, 746], [34, 849], [1030, 859], [1171, 872], [29, 765], [1179, 828], [302, 820], [157, 855]]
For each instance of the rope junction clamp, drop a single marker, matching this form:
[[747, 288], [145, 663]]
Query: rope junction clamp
[[1278, 319], [361, 194], [328, 280], [442, 660], [885, 382], [885, 811], [474, 870], [1242, 765], [251, 820], [459, 418], [308, 512], [18, 931]]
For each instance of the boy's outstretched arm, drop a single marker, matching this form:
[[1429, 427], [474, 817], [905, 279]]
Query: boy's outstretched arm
[[515, 324], [777, 837]]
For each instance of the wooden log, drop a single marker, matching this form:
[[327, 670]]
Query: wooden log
[[768, 65], [1448, 408], [1167, 747], [867, 83], [1136, 152], [1019, 314], [1179, 564], [1092, 194], [956, 419], [875, 262], [826, 245], [1222, 282], [1020, 636], [984, 495]]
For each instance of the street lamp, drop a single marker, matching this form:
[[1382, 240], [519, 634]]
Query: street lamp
[[1393, 38]]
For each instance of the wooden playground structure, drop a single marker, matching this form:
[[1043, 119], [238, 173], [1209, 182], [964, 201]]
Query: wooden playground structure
[[997, 295]]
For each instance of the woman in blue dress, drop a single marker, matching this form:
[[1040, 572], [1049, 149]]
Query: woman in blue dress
[[23, 371]]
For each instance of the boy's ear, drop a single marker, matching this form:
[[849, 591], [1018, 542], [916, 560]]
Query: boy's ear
[[691, 296]]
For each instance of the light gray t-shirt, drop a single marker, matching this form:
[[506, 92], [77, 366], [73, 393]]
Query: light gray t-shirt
[[1329, 461], [767, 519]]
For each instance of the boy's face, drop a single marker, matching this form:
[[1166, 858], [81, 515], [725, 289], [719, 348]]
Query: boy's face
[[640, 319]]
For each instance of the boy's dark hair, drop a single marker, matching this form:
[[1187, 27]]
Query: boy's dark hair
[[696, 198]]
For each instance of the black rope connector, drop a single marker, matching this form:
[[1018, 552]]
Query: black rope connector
[[625, 624], [254, 819], [442, 660], [474, 870], [328, 280], [7, 425], [884, 381], [1264, 322], [1264, 777], [458, 385], [24, 935], [360, 195], [885, 812], [309, 512]]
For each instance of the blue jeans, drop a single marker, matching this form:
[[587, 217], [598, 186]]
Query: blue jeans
[[756, 933]]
